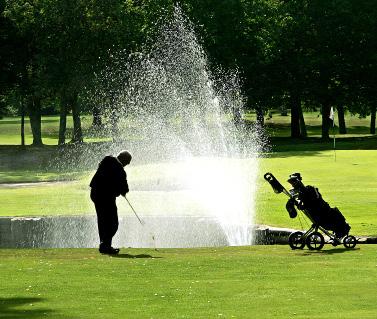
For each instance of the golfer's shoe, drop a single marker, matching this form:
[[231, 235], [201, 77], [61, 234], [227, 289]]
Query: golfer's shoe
[[109, 250]]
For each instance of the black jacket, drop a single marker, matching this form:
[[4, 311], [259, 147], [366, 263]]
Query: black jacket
[[110, 178]]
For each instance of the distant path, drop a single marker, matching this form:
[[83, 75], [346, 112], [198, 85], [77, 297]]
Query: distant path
[[32, 184]]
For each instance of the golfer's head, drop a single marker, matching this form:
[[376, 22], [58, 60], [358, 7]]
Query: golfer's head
[[124, 157]]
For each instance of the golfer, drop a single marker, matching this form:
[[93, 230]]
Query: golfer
[[109, 181]]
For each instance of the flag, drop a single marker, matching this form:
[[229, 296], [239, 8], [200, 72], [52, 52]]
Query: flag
[[331, 116]]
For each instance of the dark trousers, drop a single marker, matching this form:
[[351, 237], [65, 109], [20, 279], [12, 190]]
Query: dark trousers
[[107, 217]]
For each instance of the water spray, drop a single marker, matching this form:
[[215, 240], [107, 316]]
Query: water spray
[[141, 221], [187, 122]]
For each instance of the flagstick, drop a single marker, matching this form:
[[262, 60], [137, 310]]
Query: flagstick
[[332, 117], [333, 130]]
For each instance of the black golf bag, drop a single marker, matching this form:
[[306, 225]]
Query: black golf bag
[[324, 218], [310, 200]]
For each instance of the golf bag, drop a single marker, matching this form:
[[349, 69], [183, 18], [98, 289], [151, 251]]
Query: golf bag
[[309, 200]]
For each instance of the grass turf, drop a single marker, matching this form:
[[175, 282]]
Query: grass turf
[[348, 183], [10, 131], [234, 282], [277, 126]]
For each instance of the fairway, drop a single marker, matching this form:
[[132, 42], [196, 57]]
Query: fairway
[[234, 282], [188, 159], [347, 182], [277, 126]]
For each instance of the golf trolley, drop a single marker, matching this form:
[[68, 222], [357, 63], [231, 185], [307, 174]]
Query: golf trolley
[[312, 238]]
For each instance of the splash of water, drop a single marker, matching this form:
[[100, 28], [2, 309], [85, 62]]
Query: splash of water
[[190, 155], [167, 108]]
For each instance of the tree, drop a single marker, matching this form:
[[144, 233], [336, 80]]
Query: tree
[[94, 31], [7, 50], [342, 123], [362, 76], [292, 59], [239, 34], [13, 59], [26, 62]]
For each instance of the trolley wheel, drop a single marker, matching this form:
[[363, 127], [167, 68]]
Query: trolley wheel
[[296, 241], [349, 241], [315, 241]]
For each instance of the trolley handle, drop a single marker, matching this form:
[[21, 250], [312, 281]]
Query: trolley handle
[[276, 186]]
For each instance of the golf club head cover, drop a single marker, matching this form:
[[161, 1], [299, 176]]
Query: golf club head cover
[[290, 207], [276, 186]]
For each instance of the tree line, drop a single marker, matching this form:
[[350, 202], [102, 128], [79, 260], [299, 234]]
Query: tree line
[[296, 55]]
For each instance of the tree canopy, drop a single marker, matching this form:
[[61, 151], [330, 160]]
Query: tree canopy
[[290, 54]]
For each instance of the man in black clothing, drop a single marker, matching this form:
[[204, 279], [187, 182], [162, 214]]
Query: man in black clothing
[[308, 198], [109, 181]]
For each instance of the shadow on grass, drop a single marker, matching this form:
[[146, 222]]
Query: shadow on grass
[[331, 251], [286, 146], [133, 256], [22, 307]]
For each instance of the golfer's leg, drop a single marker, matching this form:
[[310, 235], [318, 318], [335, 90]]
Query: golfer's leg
[[103, 227], [113, 219]]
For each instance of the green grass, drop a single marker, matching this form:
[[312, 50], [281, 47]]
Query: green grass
[[235, 282], [278, 126], [36, 164], [10, 130], [350, 183]]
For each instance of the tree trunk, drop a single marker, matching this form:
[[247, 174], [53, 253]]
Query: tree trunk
[[325, 120], [373, 120], [22, 107], [260, 115], [77, 131], [295, 115], [237, 116], [283, 111], [97, 121], [63, 118], [342, 122], [34, 108], [24, 103], [114, 125], [304, 133]]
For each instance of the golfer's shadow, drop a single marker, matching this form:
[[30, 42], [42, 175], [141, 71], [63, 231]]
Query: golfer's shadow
[[133, 256], [19, 307]]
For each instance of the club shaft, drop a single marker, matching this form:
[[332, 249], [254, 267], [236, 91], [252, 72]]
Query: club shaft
[[137, 216], [287, 193], [141, 222]]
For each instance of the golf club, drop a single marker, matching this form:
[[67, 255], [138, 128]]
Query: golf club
[[141, 221], [137, 216]]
